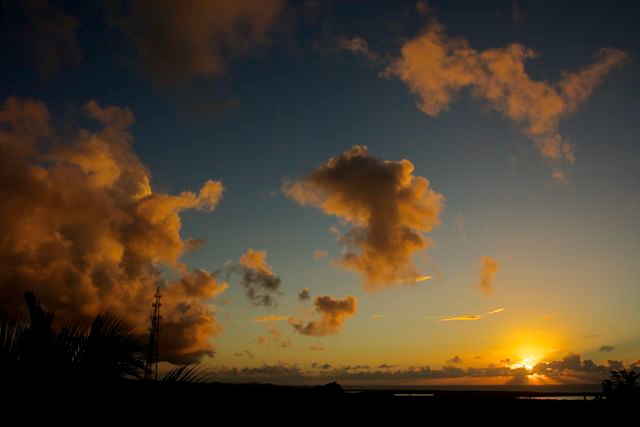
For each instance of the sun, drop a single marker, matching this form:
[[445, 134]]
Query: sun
[[527, 362]]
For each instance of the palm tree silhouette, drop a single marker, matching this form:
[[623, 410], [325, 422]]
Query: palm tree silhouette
[[104, 348]]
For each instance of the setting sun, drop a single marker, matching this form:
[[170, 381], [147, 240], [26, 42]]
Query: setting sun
[[526, 362]]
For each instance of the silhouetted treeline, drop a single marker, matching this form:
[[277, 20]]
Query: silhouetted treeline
[[622, 384]]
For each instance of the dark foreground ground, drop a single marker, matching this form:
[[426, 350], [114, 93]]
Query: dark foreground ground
[[129, 402]]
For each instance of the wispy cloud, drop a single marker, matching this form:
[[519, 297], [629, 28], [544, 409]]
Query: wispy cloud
[[487, 273], [464, 317], [471, 316], [358, 46], [271, 318], [319, 254], [377, 316], [317, 346]]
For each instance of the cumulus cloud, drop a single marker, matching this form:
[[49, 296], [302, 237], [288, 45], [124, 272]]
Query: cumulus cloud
[[304, 295], [607, 348], [261, 284], [333, 312], [437, 67], [46, 31], [487, 273], [358, 46], [178, 41], [82, 227], [388, 208], [465, 317]]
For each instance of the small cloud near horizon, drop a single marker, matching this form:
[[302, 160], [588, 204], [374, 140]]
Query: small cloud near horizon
[[271, 318], [470, 316]]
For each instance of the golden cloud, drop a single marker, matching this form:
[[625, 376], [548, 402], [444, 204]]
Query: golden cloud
[[466, 317], [271, 318], [437, 67], [388, 208], [333, 312], [487, 273], [82, 228]]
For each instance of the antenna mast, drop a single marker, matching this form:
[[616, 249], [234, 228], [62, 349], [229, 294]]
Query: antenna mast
[[151, 366]]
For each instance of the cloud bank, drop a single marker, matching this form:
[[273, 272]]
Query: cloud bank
[[81, 226], [388, 210], [568, 370]]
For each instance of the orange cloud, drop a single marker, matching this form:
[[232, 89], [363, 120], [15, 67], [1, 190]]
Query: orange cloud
[[437, 67], [82, 227], [388, 208], [271, 318], [487, 273], [260, 282], [319, 254], [333, 312], [182, 40], [470, 316]]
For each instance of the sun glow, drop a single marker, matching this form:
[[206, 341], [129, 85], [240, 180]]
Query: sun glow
[[527, 363]]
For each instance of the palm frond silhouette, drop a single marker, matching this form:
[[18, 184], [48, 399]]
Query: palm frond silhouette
[[104, 348]]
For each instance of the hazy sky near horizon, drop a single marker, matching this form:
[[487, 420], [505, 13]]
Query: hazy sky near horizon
[[520, 247]]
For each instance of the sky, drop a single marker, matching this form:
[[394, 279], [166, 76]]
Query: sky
[[374, 192]]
